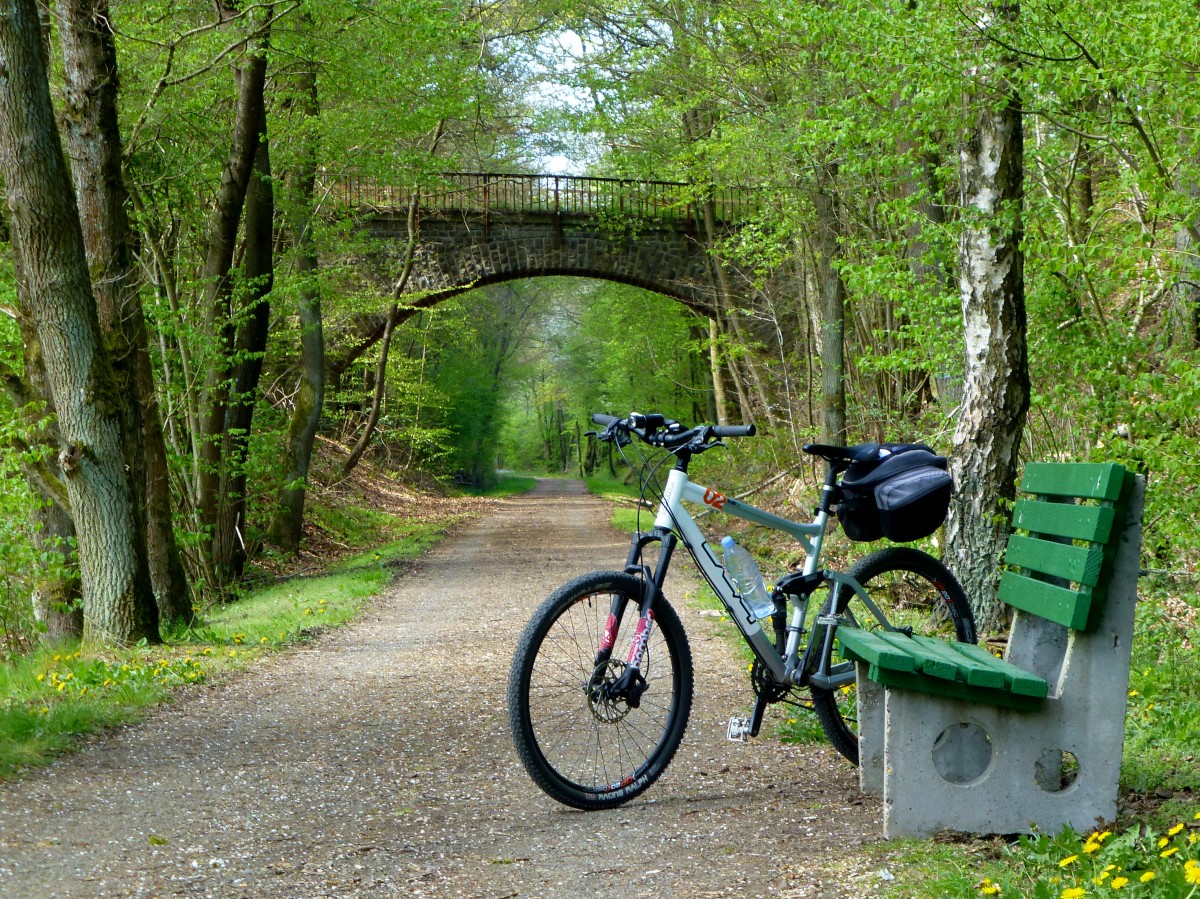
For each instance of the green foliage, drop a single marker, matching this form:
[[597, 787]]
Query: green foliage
[[601, 348], [1139, 861], [23, 566], [1162, 725]]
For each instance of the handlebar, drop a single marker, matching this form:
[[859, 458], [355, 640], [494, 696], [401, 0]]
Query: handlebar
[[673, 435]]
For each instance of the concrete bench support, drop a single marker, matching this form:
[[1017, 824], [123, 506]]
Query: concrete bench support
[[952, 763]]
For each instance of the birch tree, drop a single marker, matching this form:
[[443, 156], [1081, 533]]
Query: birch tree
[[992, 285]]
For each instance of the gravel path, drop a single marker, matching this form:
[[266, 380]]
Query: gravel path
[[377, 763]]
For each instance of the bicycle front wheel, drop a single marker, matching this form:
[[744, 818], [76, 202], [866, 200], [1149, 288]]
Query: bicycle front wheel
[[581, 745], [912, 589]]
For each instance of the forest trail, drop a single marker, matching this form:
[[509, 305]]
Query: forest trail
[[376, 762]]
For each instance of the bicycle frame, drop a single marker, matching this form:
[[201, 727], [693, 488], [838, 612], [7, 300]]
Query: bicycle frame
[[673, 522]]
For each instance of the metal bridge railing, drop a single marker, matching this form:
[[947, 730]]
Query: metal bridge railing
[[483, 193]]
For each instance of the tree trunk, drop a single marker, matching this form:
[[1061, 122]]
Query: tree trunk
[[94, 146], [832, 291], [1185, 313], [287, 527], [219, 326], [117, 596], [725, 304], [229, 544], [996, 390], [714, 363], [1185, 324], [57, 598]]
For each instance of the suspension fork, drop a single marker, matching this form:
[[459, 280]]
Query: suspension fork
[[631, 684]]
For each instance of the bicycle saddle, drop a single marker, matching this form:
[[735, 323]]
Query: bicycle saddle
[[863, 452]]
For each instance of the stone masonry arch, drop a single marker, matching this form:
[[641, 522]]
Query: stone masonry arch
[[453, 256], [481, 229]]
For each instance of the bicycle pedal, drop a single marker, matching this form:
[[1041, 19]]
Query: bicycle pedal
[[738, 730]]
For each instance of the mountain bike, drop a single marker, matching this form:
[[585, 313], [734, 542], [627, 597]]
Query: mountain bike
[[601, 684]]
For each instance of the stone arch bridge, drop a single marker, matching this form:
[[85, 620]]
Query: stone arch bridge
[[477, 229]]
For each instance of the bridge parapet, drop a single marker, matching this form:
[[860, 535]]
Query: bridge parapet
[[483, 193]]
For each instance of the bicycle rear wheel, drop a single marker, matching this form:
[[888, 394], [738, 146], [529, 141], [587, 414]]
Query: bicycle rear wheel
[[582, 747], [912, 589]]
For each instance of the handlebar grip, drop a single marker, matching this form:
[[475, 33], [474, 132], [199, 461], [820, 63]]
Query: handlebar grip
[[603, 420], [734, 431]]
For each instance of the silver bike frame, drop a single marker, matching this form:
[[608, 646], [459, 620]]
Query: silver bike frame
[[673, 516]]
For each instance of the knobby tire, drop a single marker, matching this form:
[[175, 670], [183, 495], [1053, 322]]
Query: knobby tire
[[582, 749], [913, 589]]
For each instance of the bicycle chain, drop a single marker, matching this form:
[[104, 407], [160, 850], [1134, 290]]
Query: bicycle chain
[[765, 685]]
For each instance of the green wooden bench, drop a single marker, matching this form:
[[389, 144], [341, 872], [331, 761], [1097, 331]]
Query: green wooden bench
[[956, 738]]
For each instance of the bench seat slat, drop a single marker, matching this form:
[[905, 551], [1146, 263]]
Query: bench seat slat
[[972, 671], [1018, 680], [909, 680], [1080, 564], [1091, 480], [865, 646], [928, 663], [1066, 606], [936, 666], [1091, 523]]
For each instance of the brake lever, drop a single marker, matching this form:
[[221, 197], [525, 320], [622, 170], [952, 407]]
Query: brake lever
[[615, 433]]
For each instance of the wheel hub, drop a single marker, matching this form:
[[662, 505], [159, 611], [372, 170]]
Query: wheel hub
[[607, 704]]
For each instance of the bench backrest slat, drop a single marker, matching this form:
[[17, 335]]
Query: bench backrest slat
[[1086, 480], [1067, 606], [1080, 564], [1064, 554], [1091, 523]]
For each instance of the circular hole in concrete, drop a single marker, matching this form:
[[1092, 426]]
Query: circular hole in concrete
[[1056, 770], [962, 753]]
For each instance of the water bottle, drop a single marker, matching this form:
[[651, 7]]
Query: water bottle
[[747, 580]]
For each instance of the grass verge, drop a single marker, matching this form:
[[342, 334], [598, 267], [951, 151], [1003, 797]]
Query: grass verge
[[51, 697]]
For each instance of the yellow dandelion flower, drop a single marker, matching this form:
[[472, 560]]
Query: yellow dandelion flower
[[1147, 877], [1074, 893], [41, 677], [1192, 875], [1101, 877], [1174, 831], [1069, 860], [1167, 853], [1194, 838], [1091, 846], [1162, 841], [1119, 882]]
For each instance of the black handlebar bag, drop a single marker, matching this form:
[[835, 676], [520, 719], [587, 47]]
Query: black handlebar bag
[[900, 491]]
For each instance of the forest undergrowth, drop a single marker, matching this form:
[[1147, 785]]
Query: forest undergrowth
[[361, 531]]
